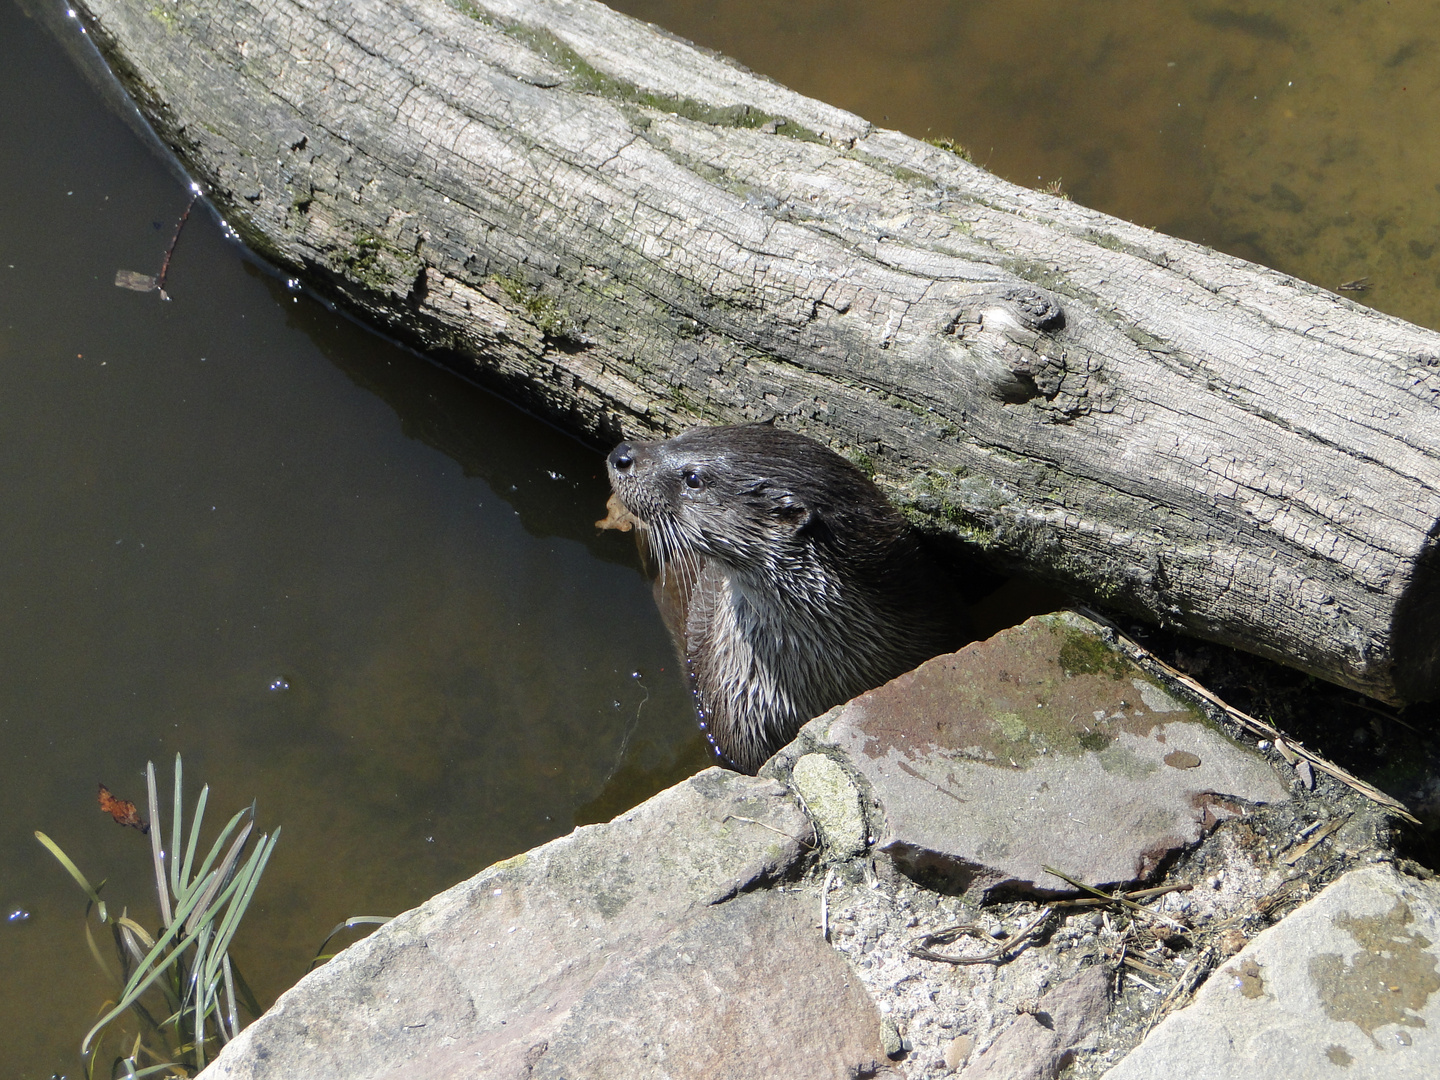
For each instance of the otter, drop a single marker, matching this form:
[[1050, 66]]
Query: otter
[[787, 580]]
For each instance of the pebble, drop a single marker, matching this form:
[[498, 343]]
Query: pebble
[[957, 1051], [890, 1039]]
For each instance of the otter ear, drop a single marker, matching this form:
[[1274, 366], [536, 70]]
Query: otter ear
[[793, 512]]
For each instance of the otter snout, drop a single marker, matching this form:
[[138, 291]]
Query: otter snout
[[622, 458], [631, 469]]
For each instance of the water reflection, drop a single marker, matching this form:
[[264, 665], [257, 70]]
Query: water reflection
[[551, 481]]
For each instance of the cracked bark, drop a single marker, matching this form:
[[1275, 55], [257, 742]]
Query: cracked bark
[[632, 235]]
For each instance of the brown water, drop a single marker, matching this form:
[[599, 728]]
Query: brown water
[[1305, 136], [349, 585]]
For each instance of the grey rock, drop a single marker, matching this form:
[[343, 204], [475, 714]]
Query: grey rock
[[1040, 1043], [1346, 986], [1042, 746], [629, 949], [833, 801], [743, 989]]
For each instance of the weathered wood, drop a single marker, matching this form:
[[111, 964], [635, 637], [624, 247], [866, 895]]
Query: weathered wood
[[633, 236]]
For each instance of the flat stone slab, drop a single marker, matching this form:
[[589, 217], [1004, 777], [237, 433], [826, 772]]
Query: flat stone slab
[[1042, 746], [635, 949], [1347, 986], [1040, 1043]]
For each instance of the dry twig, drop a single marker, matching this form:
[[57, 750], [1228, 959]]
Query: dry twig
[[921, 946]]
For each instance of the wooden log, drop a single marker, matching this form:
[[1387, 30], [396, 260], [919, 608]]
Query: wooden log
[[633, 235]]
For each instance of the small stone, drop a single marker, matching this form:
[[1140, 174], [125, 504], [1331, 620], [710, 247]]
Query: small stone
[[890, 1039], [833, 801], [1306, 774], [957, 1051]]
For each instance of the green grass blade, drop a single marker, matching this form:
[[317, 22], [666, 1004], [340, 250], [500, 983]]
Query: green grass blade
[[216, 848], [198, 993], [99, 957], [222, 876], [199, 1033], [348, 924], [232, 1013], [139, 931], [197, 962], [145, 975], [161, 891], [175, 834], [148, 966], [214, 906], [194, 838], [236, 911], [129, 943], [131, 935], [242, 989], [74, 873]]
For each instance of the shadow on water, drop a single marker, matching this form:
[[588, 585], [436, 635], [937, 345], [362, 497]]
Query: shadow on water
[[522, 460]]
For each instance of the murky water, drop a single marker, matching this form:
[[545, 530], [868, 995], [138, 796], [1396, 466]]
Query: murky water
[[332, 576], [1305, 136], [343, 582]]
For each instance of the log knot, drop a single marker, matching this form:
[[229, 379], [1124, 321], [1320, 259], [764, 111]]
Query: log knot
[[1006, 332], [1025, 309], [1035, 309]]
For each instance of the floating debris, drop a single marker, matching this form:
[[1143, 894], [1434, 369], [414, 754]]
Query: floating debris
[[122, 810], [133, 279], [138, 282]]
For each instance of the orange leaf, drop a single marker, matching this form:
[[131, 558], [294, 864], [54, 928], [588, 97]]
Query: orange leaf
[[122, 810]]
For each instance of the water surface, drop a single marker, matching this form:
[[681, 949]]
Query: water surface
[[338, 579]]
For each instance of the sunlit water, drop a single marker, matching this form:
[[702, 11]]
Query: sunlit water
[[346, 584]]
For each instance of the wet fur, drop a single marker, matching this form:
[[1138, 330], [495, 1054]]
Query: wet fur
[[791, 583]]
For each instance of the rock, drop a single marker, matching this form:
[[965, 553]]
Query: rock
[[1040, 1043], [1345, 986], [745, 988], [635, 948], [891, 1041], [833, 801], [957, 1051], [1041, 746]]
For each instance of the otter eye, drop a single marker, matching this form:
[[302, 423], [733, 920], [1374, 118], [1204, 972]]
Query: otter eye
[[693, 480]]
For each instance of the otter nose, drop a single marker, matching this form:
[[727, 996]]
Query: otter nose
[[622, 458]]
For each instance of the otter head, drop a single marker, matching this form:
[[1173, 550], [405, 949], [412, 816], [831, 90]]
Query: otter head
[[796, 586], [761, 500]]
